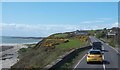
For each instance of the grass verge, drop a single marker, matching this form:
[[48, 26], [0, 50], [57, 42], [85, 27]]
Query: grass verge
[[71, 63]]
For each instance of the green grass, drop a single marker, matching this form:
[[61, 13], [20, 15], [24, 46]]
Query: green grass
[[23, 51], [71, 63], [73, 43], [38, 57], [61, 35]]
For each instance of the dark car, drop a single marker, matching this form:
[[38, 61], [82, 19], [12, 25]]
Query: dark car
[[97, 45]]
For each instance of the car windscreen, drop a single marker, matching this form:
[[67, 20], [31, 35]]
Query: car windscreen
[[94, 52]]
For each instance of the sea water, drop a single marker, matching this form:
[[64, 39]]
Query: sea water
[[11, 40]]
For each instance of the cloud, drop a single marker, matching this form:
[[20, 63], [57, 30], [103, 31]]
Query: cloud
[[37, 26], [14, 29], [0, 26], [98, 20], [115, 25], [93, 21], [41, 29], [0, 29], [36, 29]]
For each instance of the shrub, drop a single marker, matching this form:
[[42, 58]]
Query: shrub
[[22, 50]]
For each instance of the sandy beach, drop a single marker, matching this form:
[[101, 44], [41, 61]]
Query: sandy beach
[[8, 57]]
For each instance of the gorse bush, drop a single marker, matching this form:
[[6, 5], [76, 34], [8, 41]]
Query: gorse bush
[[49, 49]]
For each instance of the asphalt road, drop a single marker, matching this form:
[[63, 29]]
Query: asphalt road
[[110, 57]]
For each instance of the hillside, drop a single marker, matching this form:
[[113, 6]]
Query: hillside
[[111, 36], [49, 49]]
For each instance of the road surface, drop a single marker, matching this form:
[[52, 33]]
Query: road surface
[[110, 57]]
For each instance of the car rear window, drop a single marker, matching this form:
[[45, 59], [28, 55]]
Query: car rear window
[[95, 52]]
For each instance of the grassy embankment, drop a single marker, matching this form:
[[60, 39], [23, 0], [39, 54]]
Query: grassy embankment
[[69, 65], [111, 41], [102, 35], [114, 41], [49, 49]]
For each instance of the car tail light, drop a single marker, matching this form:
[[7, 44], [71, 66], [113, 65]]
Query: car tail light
[[100, 55], [88, 56]]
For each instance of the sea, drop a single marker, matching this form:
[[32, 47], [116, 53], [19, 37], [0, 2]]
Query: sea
[[13, 40]]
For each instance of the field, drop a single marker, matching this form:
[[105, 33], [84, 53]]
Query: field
[[73, 43], [60, 35]]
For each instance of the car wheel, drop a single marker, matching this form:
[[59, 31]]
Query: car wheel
[[102, 62], [88, 62]]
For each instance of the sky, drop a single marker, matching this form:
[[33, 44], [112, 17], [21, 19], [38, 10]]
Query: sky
[[45, 18]]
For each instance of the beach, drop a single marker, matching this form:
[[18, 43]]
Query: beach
[[9, 46], [9, 54]]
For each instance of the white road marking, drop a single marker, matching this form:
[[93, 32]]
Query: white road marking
[[103, 63], [113, 48], [103, 59], [80, 61], [110, 46]]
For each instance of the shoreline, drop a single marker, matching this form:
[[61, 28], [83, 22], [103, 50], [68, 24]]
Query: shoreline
[[13, 44], [10, 56]]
